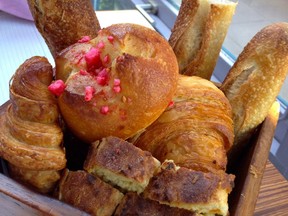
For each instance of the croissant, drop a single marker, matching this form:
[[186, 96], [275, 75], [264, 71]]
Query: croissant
[[31, 138], [195, 131]]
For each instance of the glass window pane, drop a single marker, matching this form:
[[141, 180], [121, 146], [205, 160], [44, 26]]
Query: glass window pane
[[112, 4], [175, 3]]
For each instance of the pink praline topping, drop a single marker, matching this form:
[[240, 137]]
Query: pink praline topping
[[83, 72], [104, 110], [84, 39], [117, 82], [106, 59], [117, 89], [102, 77], [57, 87], [171, 104], [101, 45], [92, 58], [110, 38], [89, 91]]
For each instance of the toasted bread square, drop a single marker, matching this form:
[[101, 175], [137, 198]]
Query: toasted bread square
[[88, 193], [121, 164], [133, 204], [204, 193]]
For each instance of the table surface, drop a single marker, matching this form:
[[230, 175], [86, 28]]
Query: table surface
[[273, 195]]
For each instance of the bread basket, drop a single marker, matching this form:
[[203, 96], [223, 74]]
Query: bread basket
[[17, 199]]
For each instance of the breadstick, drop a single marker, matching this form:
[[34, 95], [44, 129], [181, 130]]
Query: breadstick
[[255, 80], [64, 22], [198, 34]]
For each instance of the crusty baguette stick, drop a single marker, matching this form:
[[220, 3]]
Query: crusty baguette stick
[[64, 22], [255, 79], [198, 34]]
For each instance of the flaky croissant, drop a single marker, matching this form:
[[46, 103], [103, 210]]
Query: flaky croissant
[[31, 138], [195, 131]]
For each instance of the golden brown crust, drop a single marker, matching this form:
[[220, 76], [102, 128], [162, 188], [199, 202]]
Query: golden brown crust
[[42, 181], [140, 59], [133, 204], [29, 94], [28, 156], [187, 9], [196, 131], [35, 110], [192, 190], [198, 34], [63, 22], [88, 193], [32, 78], [30, 136], [45, 135], [254, 81], [114, 158]]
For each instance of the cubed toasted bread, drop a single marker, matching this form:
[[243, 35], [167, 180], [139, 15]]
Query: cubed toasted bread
[[133, 204], [121, 164], [88, 193], [204, 193]]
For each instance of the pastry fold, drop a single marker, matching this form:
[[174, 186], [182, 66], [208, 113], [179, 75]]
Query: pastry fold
[[31, 137], [196, 131]]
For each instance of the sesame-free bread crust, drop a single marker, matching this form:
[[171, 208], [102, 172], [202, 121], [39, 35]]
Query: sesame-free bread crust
[[64, 22], [30, 136], [255, 80], [121, 164], [88, 193], [146, 69], [198, 34], [204, 193], [133, 204], [196, 131]]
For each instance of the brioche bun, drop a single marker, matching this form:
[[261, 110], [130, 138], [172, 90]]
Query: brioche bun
[[117, 83]]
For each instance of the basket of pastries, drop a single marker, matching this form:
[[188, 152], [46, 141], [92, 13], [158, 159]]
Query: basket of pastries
[[129, 123]]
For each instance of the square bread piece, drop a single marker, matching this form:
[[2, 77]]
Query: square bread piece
[[88, 193], [121, 164], [204, 193], [133, 204]]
